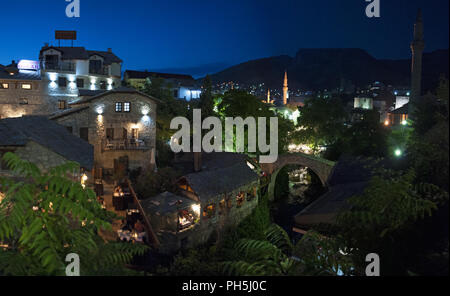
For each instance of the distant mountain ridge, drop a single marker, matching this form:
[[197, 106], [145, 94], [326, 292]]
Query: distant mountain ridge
[[330, 68]]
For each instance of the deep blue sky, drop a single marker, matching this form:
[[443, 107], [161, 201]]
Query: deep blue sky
[[169, 34]]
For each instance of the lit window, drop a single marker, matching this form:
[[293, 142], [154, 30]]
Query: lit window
[[240, 199], [126, 107], [4, 86], [62, 104], [26, 86], [119, 107], [209, 211]]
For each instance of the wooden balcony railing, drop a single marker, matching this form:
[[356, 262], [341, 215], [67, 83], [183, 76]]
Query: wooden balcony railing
[[125, 144]]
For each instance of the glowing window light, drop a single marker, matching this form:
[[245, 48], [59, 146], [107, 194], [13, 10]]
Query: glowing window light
[[196, 209], [84, 179]]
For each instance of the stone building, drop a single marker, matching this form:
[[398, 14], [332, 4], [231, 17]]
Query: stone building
[[120, 124], [67, 70], [182, 86], [21, 92], [221, 191], [43, 142]]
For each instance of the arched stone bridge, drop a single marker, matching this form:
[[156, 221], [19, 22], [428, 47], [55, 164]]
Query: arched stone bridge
[[320, 166]]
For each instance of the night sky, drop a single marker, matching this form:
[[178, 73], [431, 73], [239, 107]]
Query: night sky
[[198, 36]]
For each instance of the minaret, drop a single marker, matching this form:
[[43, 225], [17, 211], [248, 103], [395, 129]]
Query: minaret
[[268, 96], [285, 89], [417, 47]]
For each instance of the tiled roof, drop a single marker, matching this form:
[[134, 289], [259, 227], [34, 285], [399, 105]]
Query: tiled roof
[[87, 99], [63, 113], [80, 53], [166, 203], [55, 137], [221, 173], [18, 75], [401, 110]]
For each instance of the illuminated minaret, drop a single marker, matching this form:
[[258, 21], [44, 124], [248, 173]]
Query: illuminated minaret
[[285, 89], [268, 96], [417, 47]]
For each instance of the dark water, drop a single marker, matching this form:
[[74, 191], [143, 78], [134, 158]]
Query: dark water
[[285, 208]]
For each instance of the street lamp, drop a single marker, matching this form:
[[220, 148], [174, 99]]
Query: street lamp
[[398, 152]]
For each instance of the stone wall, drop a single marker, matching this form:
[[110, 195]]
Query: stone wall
[[17, 102], [101, 115]]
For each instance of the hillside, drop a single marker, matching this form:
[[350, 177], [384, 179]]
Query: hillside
[[316, 69]]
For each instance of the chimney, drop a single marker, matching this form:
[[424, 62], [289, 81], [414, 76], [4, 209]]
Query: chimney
[[197, 161], [110, 50]]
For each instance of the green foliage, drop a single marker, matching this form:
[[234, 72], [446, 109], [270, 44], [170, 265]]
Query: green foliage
[[276, 255], [206, 99], [237, 103], [322, 122], [282, 184], [151, 183], [167, 110], [195, 262], [45, 216], [367, 137], [382, 215], [429, 143]]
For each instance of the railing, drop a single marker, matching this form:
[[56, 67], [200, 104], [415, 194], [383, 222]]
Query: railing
[[99, 71], [125, 144], [151, 234], [63, 66]]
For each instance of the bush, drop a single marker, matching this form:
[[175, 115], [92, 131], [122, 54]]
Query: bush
[[152, 183]]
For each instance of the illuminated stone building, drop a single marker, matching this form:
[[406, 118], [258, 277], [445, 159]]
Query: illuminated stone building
[[120, 124], [67, 70], [21, 90]]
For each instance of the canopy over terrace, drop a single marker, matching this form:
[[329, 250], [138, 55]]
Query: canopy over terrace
[[164, 209]]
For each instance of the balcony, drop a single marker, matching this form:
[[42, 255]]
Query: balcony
[[99, 71], [124, 144], [61, 66]]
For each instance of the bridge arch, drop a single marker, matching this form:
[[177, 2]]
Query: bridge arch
[[321, 167]]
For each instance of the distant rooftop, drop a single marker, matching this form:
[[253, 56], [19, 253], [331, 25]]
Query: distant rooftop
[[80, 53], [55, 137], [5, 73]]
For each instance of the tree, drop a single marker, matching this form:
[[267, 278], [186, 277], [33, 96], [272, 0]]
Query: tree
[[321, 122], [429, 144], [238, 103], [46, 216], [167, 110], [277, 256], [367, 137], [152, 183], [206, 99], [380, 218]]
